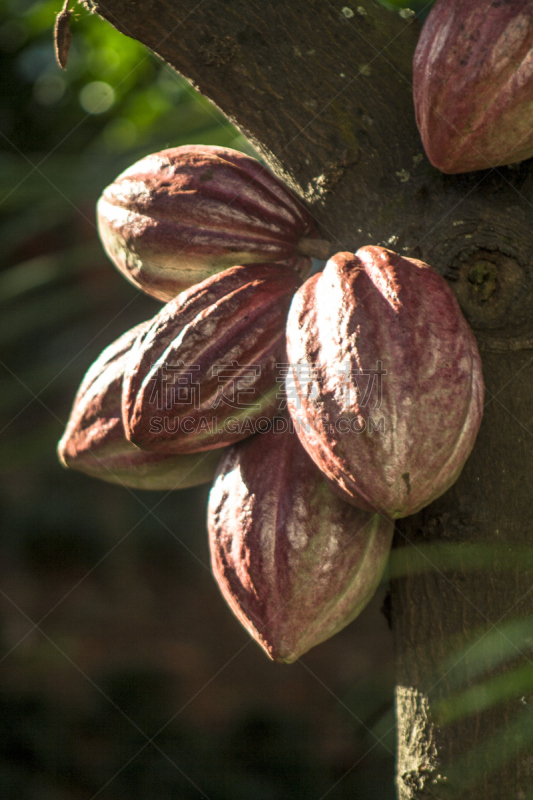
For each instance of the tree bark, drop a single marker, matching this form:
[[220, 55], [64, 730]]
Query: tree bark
[[323, 91]]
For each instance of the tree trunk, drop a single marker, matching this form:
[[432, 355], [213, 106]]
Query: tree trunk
[[323, 91]]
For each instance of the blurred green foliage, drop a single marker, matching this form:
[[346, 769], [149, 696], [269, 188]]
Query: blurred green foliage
[[114, 96], [67, 133]]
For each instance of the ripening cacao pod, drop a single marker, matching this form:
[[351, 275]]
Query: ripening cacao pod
[[294, 562], [94, 440], [204, 371], [177, 217], [473, 84], [385, 388]]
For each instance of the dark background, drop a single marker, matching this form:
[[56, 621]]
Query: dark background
[[122, 672]]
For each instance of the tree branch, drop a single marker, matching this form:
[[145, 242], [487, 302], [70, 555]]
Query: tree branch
[[323, 93]]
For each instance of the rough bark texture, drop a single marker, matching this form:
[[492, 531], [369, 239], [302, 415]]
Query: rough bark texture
[[324, 92]]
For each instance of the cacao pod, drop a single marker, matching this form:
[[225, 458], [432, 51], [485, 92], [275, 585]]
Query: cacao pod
[[386, 388], [473, 84], [94, 440], [204, 371], [179, 216], [294, 562]]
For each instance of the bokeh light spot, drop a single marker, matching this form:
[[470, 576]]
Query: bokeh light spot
[[97, 97], [49, 89]]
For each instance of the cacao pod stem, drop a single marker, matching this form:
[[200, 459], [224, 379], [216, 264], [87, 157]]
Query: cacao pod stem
[[314, 248]]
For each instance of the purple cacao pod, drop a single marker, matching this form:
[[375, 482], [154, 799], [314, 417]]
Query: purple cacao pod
[[177, 217], [294, 562], [94, 440], [204, 371], [386, 388], [473, 83]]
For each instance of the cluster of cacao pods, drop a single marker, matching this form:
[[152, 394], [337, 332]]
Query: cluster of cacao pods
[[324, 409], [473, 84]]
